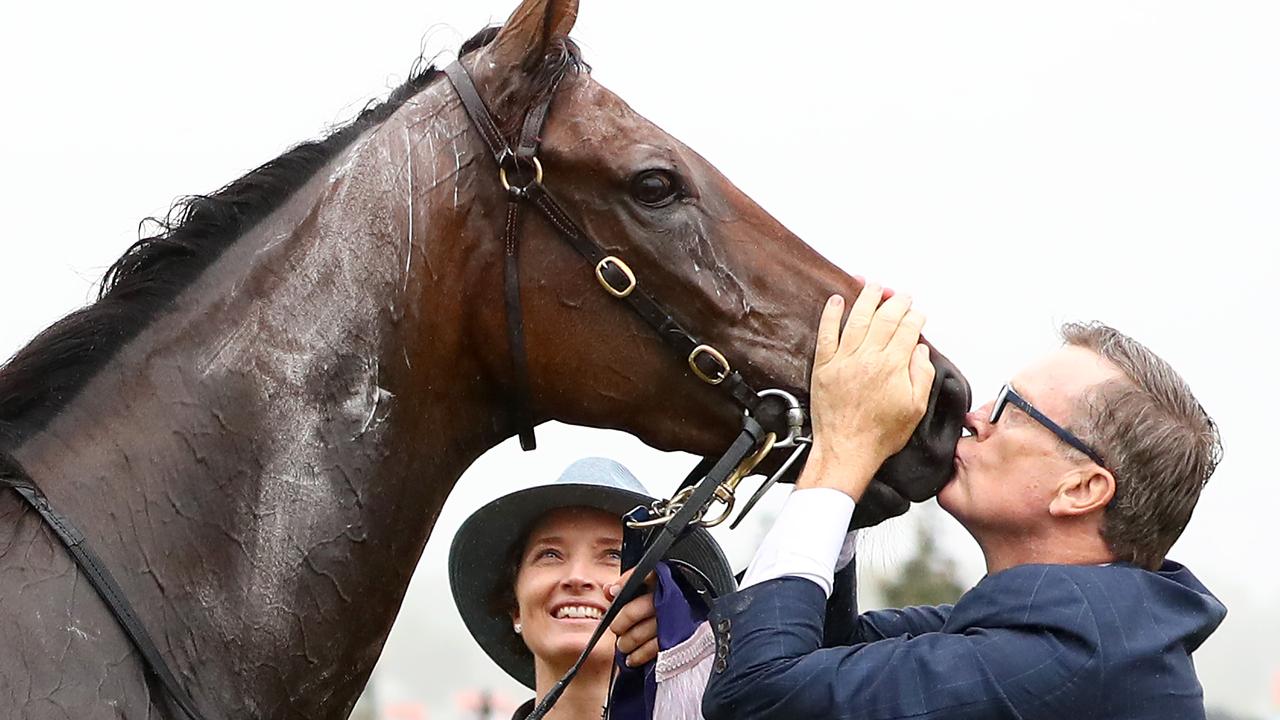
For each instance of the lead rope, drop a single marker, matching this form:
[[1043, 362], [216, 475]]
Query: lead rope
[[14, 476], [526, 153]]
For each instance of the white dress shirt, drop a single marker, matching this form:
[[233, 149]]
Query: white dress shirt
[[810, 539]]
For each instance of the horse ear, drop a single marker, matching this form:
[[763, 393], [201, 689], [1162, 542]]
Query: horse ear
[[531, 30]]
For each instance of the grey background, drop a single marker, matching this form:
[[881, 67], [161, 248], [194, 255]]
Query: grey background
[[1011, 164]]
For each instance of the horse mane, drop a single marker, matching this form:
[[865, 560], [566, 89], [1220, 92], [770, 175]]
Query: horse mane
[[46, 374]]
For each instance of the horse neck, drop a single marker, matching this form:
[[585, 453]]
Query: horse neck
[[274, 449]]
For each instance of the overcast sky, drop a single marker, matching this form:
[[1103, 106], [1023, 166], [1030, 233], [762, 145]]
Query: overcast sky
[[1011, 164]]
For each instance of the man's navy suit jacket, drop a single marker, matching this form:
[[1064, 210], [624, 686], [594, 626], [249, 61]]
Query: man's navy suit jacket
[[1030, 642]]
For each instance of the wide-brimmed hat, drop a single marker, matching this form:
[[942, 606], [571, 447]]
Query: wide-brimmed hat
[[480, 570]]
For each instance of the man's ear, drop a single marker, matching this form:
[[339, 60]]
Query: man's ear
[[1082, 492], [530, 33]]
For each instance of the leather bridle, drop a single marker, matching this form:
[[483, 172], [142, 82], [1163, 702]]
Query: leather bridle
[[613, 274]]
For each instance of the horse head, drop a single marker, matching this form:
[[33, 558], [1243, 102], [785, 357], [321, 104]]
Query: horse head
[[718, 263]]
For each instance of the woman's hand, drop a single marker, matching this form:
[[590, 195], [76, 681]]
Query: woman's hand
[[869, 388], [636, 625]]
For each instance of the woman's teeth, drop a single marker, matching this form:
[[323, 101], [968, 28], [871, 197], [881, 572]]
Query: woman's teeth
[[578, 611]]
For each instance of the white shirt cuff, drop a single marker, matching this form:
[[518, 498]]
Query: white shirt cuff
[[807, 540]]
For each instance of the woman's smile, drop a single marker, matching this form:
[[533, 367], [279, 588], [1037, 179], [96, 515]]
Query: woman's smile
[[577, 611]]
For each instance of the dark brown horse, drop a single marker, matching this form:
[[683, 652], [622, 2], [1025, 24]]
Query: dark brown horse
[[258, 421]]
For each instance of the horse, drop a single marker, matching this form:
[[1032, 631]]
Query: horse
[[256, 423]]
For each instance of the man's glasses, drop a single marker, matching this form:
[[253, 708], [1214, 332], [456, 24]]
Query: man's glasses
[[1009, 395]]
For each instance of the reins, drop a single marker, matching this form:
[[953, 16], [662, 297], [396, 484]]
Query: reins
[[14, 476]]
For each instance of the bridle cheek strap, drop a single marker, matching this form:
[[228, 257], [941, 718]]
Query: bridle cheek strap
[[525, 155], [523, 405]]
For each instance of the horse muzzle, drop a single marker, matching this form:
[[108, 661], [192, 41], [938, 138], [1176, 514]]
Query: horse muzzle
[[913, 474], [920, 470]]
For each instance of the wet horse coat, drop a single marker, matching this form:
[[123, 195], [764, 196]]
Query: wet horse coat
[[257, 435]]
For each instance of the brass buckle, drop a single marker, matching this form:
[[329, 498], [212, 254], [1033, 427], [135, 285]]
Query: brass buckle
[[725, 494], [664, 510], [631, 277], [537, 175], [714, 354]]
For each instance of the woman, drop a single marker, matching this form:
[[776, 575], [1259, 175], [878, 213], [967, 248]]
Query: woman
[[531, 573]]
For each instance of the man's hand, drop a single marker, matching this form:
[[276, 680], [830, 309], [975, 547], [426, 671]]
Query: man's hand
[[636, 625], [869, 388]]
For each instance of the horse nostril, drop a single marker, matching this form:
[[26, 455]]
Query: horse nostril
[[955, 383], [949, 405], [953, 405], [954, 395]]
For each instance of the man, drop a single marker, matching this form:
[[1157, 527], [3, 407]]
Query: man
[[1075, 482]]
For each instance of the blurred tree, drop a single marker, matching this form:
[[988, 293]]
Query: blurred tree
[[928, 578]]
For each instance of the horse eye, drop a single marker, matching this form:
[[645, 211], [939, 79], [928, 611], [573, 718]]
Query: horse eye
[[655, 188]]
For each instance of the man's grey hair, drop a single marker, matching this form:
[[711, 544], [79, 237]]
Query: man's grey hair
[[1157, 440]]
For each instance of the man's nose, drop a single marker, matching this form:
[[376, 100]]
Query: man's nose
[[979, 420]]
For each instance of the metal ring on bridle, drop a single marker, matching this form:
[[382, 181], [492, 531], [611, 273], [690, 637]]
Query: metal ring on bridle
[[624, 269], [795, 416], [721, 373], [725, 493], [664, 510], [537, 175]]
